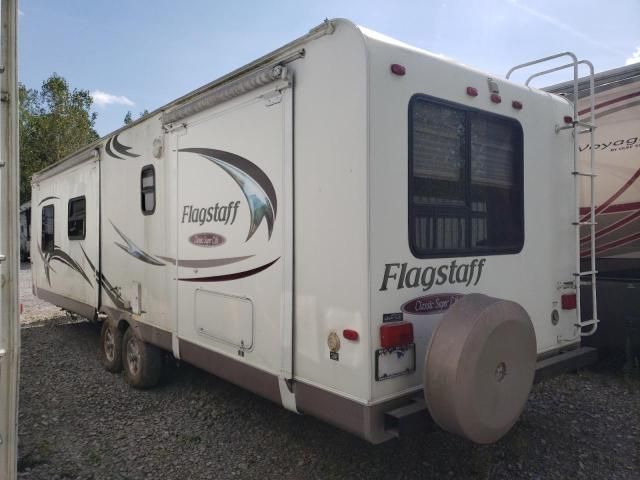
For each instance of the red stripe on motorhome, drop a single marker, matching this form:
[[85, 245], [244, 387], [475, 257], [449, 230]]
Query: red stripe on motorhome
[[611, 245], [617, 208], [620, 191], [614, 226], [610, 102]]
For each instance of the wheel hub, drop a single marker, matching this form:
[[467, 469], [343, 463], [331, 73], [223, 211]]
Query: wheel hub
[[133, 356], [109, 345]]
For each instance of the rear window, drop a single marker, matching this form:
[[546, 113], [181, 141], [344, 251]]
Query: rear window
[[465, 181]]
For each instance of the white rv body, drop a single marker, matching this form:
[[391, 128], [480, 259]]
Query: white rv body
[[280, 220]]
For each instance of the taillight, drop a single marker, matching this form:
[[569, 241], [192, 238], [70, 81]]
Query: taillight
[[396, 334], [569, 301]]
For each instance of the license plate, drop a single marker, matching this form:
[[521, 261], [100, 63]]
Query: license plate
[[393, 362]]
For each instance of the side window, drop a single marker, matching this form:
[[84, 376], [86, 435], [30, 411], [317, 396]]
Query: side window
[[76, 224], [148, 190], [465, 181], [48, 214]]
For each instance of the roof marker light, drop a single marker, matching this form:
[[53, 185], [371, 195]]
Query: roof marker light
[[495, 98], [568, 119], [398, 69], [517, 105], [472, 91]]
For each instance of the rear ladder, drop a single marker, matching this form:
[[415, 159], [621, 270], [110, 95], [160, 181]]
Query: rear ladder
[[578, 127]]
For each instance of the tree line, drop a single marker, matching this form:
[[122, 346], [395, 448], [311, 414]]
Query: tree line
[[55, 121]]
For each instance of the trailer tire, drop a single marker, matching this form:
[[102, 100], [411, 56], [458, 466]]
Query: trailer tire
[[142, 362], [479, 367], [110, 352]]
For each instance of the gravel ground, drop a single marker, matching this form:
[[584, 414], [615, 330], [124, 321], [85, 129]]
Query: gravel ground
[[79, 421], [34, 310]]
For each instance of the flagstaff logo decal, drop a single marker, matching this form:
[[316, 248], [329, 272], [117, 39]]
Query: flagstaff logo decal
[[225, 214], [400, 275], [431, 304], [207, 239], [254, 184]]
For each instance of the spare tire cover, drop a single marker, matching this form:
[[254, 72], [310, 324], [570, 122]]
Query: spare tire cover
[[479, 367]]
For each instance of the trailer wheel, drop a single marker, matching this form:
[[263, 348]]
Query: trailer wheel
[[479, 367], [142, 362], [111, 347]]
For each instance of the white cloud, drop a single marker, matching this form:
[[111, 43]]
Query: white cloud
[[103, 98], [634, 58], [551, 20]]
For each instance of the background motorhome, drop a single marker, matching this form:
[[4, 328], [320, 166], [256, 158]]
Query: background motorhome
[[25, 231], [617, 113], [357, 255]]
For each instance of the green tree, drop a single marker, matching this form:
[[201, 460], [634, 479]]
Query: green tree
[[128, 118], [55, 121]]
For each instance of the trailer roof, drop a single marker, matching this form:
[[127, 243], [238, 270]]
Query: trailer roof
[[271, 58], [603, 81], [282, 55]]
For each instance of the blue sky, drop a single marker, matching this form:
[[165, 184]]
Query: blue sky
[[136, 55]]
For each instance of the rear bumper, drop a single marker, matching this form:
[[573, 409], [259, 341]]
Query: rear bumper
[[565, 362], [414, 415]]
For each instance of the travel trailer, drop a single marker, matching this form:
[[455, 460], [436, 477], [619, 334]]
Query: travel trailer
[[349, 226], [617, 197]]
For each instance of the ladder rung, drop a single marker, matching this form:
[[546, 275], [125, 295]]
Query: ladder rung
[[588, 272], [584, 223], [584, 174], [586, 323]]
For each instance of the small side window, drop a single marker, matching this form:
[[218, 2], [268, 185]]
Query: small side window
[[148, 190], [76, 225], [48, 238]]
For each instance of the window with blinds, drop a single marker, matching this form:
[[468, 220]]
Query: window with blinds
[[465, 180]]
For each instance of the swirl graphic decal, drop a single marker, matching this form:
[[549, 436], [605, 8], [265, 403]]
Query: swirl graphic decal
[[59, 255], [254, 183], [113, 144]]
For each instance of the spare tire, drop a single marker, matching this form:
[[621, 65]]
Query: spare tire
[[479, 367]]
